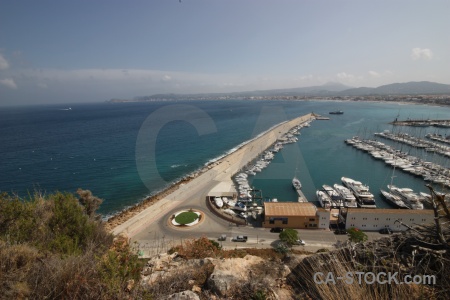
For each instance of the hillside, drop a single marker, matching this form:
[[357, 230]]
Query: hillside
[[55, 247], [408, 88]]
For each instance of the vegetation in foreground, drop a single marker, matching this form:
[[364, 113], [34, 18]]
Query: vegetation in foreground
[[55, 247]]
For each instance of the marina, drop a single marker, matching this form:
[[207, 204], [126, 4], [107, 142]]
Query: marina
[[429, 171]]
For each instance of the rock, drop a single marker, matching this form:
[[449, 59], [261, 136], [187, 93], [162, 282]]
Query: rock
[[220, 283], [186, 295], [196, 289], [230, 272], [130, 285], [285, 272]]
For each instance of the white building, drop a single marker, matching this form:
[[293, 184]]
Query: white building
[[375, 219], [324, 218]]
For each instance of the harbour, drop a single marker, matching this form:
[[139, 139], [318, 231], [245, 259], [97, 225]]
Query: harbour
[[319, 157]]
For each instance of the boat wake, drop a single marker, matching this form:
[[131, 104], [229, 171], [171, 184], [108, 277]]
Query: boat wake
[[354, 123]]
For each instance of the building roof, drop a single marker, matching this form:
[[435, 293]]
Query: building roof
[[286, 209], [390, 211]]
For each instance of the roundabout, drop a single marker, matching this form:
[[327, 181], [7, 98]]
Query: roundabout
[[186, 218]]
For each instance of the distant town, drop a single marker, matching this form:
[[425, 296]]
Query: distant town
[[424, 92], [412, 99]]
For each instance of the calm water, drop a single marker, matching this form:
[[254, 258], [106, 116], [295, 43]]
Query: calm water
[[94, 146]]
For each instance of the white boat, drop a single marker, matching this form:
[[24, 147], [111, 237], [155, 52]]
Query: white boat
[[323, 199], [336, 199], [229, 212], [363, 196], [411, 199], [347, 195], [393, 199], [218, 201], [296, 183], [240, 206]]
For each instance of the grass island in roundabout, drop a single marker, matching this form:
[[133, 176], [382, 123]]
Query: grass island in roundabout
[[186, 218]]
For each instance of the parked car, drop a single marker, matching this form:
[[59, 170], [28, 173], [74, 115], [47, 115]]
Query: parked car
[[276, 229], [385, 230], [300, 242], [239, 238], [223, 237], [340, 231]]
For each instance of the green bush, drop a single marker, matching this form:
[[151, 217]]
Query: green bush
[[289, 236], [356, 235], [56, 247]]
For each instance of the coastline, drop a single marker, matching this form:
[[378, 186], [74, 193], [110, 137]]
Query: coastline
[[132, 219]]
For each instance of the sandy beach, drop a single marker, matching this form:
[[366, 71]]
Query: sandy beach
[[138, 217]]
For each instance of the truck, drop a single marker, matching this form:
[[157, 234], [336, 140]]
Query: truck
[[239, 238]]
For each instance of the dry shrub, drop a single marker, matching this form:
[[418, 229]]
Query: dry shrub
[[343, 261], [15, 263], [197, 248]]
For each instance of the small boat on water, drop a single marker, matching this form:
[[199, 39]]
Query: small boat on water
[[336, 112], [296, 183], [218, 201], [393, 199]]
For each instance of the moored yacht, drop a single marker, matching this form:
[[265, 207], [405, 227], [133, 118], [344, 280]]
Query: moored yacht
[[411, 199], [323, 199], [393, 199], [347, 195], [296, 183], [336, 198], [363, 196]]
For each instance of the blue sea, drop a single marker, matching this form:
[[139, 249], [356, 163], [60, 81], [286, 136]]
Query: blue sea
[[124, 152]]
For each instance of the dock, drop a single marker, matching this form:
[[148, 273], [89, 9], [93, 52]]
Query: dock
[[422, 123], [301, 196]]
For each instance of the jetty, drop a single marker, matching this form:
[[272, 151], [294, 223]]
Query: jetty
[[301, 196], [194, 191], [422, 123]]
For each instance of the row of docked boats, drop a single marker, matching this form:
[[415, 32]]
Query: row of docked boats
[[416, 142], [265, 158], [336, 197], [245, 192], [438, 137], [427, 170]]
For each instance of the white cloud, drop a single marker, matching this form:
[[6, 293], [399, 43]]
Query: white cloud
[[8, 82], [419, 53], [374, 74], [345, 76], [166, 78], [3, 63]]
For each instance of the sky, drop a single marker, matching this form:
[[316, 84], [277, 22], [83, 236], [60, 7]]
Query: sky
[[92, 51]]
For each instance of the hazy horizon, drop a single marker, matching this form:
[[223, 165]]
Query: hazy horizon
[[70, 52]]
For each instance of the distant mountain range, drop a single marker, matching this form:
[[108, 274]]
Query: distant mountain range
[[330, 89], [338, 89]]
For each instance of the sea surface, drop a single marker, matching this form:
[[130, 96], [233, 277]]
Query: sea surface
[[124, 152]]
